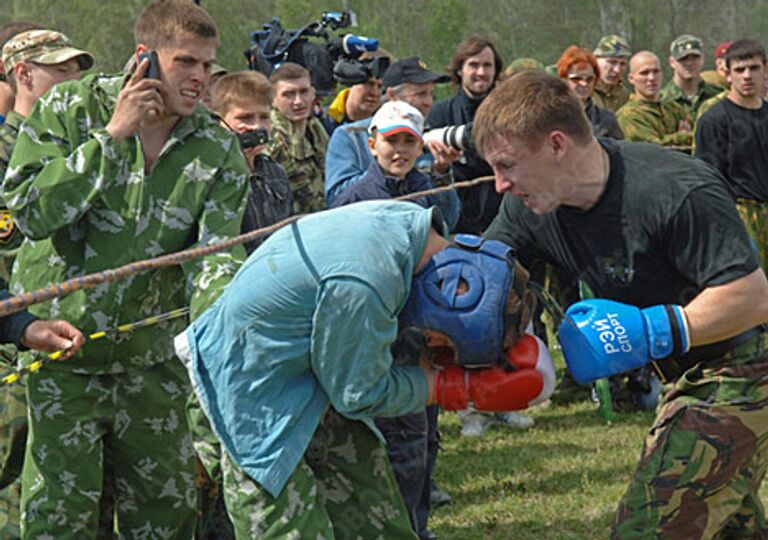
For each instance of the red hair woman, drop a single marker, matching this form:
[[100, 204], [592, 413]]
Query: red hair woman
[[578, 68]]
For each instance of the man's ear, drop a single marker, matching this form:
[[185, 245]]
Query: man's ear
[[557, 141], [372, 144], [389, 92], [22, 74]]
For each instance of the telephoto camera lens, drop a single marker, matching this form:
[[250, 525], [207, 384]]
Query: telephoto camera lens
[[458, 137]]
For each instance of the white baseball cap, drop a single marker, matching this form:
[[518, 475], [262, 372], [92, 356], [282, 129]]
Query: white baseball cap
[[396, 116]]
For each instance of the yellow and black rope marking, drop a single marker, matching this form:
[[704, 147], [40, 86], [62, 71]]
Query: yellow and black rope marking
[[16, 376]]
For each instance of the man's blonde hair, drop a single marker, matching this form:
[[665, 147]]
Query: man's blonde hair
[[162, 21], [241, 87], [528, 106]]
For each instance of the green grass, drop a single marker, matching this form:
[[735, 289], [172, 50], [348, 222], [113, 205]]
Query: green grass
[[561, 479]]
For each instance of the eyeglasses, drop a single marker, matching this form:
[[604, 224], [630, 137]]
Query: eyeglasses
[[589, 79]]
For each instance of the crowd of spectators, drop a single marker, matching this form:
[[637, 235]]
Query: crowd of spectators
[[103, 170]]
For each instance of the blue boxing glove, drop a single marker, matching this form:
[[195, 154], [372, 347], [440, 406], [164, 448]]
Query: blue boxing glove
[[601, 338]]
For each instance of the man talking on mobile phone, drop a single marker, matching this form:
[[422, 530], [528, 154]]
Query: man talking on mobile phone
[[106, 171]]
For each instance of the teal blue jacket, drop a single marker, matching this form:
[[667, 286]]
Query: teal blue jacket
[[307, 323]]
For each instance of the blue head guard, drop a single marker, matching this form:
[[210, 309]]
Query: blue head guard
[[475, 320]]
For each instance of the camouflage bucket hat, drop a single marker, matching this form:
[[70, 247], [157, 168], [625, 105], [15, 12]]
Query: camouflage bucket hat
[[42, 47], [612, 46], [686, 45]]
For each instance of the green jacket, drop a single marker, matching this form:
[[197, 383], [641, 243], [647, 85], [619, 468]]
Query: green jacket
[[610, 97], [672, 92], [653, 122], [302, 155], [10, 238], [85, 204]]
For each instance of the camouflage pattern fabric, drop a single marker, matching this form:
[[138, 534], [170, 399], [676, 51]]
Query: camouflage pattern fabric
[[42, 47], [714, 78], [612, 46], [705, 455], [212, 519], [610, 97], [141, 414], [654, 122], [672, 93], [302, 155], [85, 203], [13, 404], [10, 238], [342, 489], [754, 214], [711, 102], [13, 437]]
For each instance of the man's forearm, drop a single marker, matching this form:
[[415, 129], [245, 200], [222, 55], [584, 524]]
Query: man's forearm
[[724, 311]]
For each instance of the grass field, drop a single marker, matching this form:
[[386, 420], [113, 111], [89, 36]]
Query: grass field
[[559, 480]]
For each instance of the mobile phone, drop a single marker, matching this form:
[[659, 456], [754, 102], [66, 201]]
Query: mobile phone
[[153, 71]]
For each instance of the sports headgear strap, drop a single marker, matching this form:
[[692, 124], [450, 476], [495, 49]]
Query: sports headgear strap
[[475, 320]]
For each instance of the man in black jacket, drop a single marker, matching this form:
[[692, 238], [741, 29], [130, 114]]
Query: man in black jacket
[[474, 68]]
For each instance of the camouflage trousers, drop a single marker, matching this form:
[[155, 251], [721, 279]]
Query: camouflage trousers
[[140, 416], [705, 455], [754, 214], [212, 519], [13, 437], [342, 489]]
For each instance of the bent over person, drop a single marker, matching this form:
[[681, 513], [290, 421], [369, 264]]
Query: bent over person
[[107, 171], [293, 362], [656, 236]]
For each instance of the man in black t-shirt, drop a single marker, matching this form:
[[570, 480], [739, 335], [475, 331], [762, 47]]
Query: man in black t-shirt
[[655, 235], [733, 137]]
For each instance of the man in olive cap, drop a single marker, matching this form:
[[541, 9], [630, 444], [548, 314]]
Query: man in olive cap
[[613, 55], [686, 58], [33, 61]]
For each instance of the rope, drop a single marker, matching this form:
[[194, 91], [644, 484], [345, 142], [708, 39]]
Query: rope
[[15, 376], [65, 288]]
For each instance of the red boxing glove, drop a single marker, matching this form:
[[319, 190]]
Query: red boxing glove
[[528, 379]]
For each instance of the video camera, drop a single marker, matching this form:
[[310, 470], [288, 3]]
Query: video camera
[[335, 59]]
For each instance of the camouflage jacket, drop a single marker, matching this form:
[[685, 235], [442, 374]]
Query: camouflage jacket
[[709, 103], [653, 122], [10, 238], [302, 155], [672, 92], [610, 97], [85, 204]]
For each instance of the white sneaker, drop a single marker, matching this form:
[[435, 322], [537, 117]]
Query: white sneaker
[[514, 420], [474, 424]]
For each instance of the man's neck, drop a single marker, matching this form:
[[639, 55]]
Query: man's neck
[[300, 125], [435, 243], [590, 169], [689, 87], [23, 105], [153, 134], [159, 127], [748, 102], [472, 95], [648, 99]]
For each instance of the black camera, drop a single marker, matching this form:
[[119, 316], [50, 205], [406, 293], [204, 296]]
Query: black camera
[[256, 137], [333, 59], [458, 137]]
